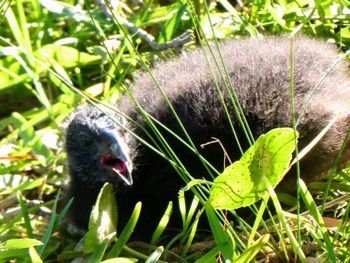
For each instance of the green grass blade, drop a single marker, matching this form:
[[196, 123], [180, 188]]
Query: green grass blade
[[162, 224], [222, 241], [126, 233], [25, 215], [50, 228], [98, 254], [313, 209], [249, 254], [154, 257]]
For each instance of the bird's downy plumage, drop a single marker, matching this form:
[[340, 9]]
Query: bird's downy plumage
[[260, 74]]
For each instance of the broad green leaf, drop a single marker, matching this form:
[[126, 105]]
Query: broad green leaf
[[345, 33], [29, 136], [65, 10], [20, 243], [103, 219], [171, 25], [242, 183], [67, 57], [11, 71], [24, 185]]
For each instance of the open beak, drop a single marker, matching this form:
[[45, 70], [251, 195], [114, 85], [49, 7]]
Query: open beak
[[115, 157]]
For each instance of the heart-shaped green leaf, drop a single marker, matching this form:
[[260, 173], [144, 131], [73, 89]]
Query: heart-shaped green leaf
[[103, 219], [243, 182]]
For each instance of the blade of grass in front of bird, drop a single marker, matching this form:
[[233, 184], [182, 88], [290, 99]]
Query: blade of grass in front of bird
[[99, 252], [50, 228], [25, 215], [313, 209], [154, 257], [126, 233], [295, 244], [162, 224], [225, 245]]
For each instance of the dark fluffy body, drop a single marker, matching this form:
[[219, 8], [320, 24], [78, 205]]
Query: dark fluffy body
[[260, 73]]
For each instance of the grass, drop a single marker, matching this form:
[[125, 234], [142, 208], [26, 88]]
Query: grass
[[54, 55]]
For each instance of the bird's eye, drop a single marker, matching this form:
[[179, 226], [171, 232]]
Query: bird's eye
[[85, 139]]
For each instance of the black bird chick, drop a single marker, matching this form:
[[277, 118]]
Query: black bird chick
[[99, 151]]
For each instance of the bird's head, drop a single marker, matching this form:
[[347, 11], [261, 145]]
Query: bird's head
[[96, 149]]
